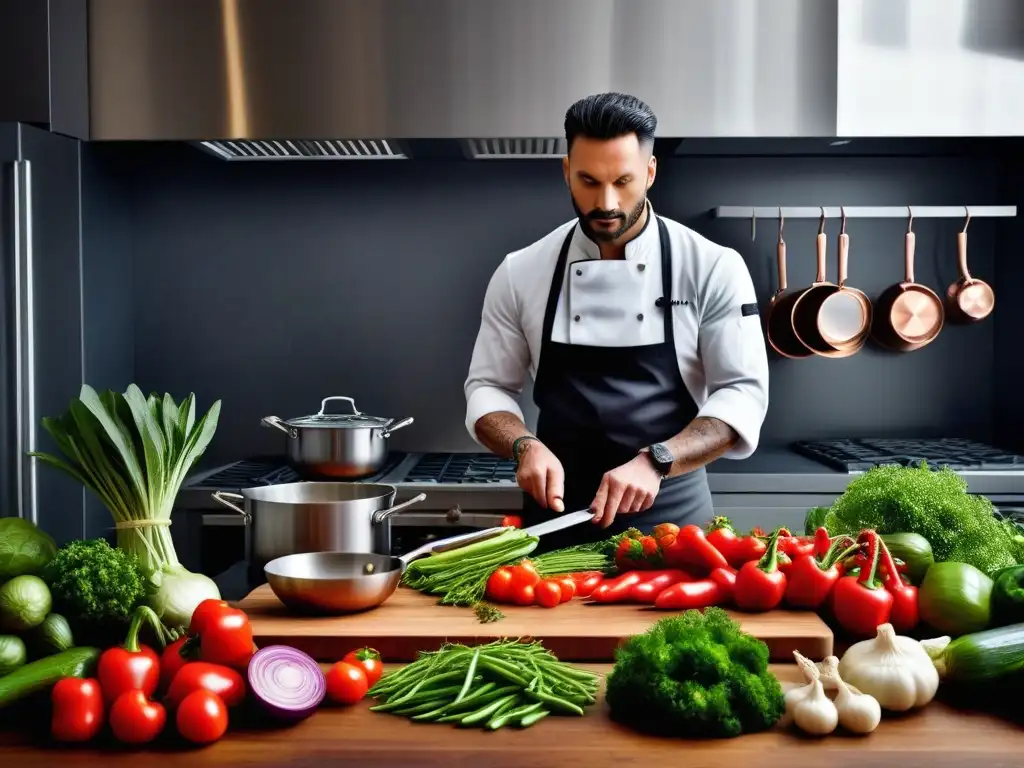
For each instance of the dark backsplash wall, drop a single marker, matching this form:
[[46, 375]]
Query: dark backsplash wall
[[273, 285]]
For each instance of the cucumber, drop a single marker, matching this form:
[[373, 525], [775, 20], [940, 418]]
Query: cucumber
[[42, 674], [981, 657], [52, 636], [914, 550]]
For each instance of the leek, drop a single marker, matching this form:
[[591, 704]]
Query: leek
[[134, 452]]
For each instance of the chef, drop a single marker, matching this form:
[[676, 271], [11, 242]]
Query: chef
[[643, 340]]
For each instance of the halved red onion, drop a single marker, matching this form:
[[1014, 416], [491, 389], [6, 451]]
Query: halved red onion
[[287, 682]]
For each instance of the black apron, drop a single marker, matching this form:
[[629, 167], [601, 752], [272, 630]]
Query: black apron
[[600, 405]]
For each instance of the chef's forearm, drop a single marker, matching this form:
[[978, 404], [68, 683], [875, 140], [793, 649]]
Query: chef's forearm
[[701, 442], [498, 430]]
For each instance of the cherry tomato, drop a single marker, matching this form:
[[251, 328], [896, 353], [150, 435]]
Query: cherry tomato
[[500, 584], [346, 683], [585, 587], [202, 675], [525, 575], [548, 594], [511, 521], [568, 587], [369, 660], [136, 720], [77, 709], [202, 717], [205, 611], [523, 595]]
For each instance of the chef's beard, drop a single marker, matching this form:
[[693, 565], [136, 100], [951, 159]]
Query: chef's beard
[[604, 235]]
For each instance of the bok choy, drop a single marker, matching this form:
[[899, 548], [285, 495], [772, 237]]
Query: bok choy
[[134, 452]]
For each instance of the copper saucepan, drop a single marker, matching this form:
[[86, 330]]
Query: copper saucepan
[[968, 300], [908, 315], [779, 323]]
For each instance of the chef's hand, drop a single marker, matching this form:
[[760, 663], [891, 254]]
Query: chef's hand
[[626, 490], [540, 474]]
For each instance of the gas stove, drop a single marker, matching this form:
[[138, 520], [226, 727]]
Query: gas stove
[[856, 455], [466, 489]]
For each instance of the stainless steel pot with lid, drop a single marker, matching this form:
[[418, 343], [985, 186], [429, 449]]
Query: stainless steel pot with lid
[[339, 446]]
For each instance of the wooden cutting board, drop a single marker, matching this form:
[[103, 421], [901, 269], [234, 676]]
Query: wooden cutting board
[[575, 631]]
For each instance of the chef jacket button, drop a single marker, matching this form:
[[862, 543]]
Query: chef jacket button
[[641, 267], [640, 316], [577, 318], [579, 272]]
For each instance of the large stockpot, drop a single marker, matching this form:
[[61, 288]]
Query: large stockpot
[[337, 446], [295, 518]]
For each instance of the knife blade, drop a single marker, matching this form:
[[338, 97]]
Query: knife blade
[[560, 522]]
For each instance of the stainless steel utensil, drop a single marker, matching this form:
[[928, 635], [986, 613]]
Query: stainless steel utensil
[[348, 582], [338, 446], [316, 517]]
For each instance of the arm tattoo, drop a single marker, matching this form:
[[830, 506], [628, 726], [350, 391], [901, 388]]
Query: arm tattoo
[[499, 430], [701, 442]]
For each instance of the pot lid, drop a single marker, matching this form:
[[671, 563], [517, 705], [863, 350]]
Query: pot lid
[[352, 420]]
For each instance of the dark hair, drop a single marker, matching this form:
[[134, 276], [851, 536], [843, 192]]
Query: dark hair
[[608, 116]]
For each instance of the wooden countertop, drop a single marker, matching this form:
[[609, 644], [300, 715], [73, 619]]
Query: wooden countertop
[[937, 737]]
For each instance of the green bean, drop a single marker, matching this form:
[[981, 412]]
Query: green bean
[[469, 677], [556, 703], [408, 698], [533, 717], [503, 669], [481, 715], [512, 715], [418, 708], [471, 703]]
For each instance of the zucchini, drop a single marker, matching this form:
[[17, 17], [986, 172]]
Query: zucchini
[[981, 657], [42, 674], [914, 550]]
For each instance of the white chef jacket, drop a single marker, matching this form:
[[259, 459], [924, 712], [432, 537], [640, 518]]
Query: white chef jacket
[[718, 338]]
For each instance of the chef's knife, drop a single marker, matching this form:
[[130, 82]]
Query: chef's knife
[[557, 523], [560, 522]]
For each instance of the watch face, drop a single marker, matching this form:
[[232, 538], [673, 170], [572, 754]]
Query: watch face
[[662, 455]]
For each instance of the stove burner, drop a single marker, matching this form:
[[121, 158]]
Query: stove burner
[[251, 473], [472, 468], [861, 454]]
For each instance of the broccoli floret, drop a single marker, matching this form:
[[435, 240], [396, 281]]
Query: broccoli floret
[[92, 581], [694, 675]]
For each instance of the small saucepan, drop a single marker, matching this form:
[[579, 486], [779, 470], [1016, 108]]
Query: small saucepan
[[908, 315], [968, 300], [337, 446], [779, 324]]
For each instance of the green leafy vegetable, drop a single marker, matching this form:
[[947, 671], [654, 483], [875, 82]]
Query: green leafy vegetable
[[960, 527], [134, 452], [24, 548], [93, 581], [694, 675]]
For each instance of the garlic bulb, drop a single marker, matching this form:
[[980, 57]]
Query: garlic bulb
[[858, 712], [815, 713], [796, 695], [895, 670]]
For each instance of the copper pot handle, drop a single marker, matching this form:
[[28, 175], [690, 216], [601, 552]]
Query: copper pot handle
[[908, 258]]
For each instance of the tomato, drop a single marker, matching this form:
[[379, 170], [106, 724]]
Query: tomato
[[202, 717], [226, 638], [204, 676], [77, 709], [523, 595], [499, 585], [548, 594], [568, 587], [585, 587], [369, 660], [346, 683], [205, 611], [524, 575], [171, 661], [136, 720], [511, 521]]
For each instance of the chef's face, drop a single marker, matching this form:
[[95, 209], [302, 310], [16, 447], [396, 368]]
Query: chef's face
[[608, 180]]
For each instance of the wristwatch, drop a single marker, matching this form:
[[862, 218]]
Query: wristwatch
[[661, 457], [517, 446]]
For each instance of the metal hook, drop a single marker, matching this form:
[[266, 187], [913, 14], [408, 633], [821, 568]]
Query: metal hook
[[782, 222], [968, 221], [821, 222], [910, 221], [842, 212], [753, 223]]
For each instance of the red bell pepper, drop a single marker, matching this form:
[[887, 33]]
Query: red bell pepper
[[649, 588], [78, 711], [904, 613], [810, 579], [725, 578], [132, 667], [822, 542], [616, 590], [760, 585], [861, 603], [794, 546], [685, 595], [175, 656], [692, 550], [737, 550]]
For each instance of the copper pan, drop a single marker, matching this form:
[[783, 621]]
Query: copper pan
[[968, 300], [844, 320], [807, 308], [908, 315], [779, 323]]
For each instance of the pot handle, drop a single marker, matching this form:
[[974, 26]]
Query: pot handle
[[383, 514], [395, 426], [275, 421], [221, 497]]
